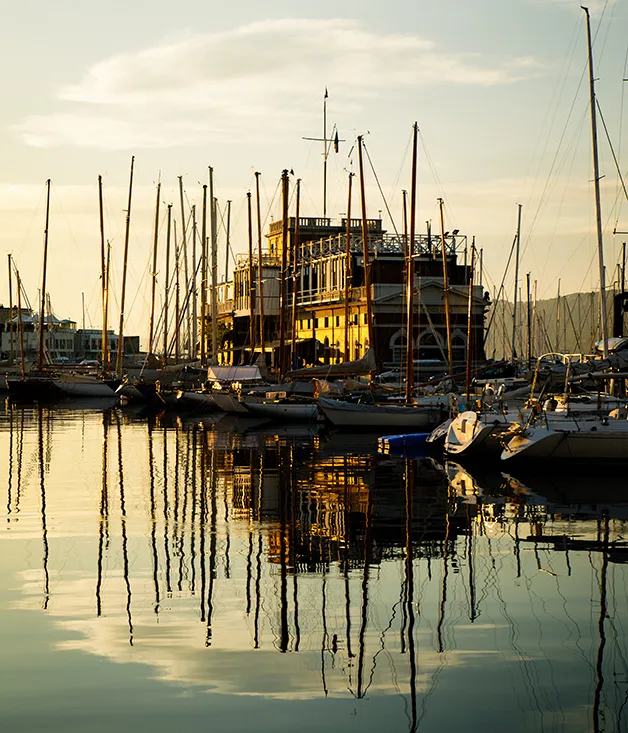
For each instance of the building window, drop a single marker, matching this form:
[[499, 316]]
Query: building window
[[326, 322], [355, 319], [316, 323], [337, 321], [364, 318]]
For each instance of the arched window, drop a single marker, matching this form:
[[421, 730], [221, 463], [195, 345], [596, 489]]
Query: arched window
[[430, 346], [458, 346]]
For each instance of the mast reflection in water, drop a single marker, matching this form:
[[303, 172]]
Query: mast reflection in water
[[287, 581]]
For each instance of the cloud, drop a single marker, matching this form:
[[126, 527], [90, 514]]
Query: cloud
[[204, 84]]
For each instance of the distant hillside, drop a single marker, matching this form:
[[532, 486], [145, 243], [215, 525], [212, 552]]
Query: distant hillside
[[571, 326]]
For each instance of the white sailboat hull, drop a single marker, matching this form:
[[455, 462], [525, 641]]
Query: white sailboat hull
[[593, 441]]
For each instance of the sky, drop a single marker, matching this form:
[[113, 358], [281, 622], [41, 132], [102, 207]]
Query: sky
[[499, 92]]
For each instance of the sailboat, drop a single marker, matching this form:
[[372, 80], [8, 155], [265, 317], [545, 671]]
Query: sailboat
[[588, 438]]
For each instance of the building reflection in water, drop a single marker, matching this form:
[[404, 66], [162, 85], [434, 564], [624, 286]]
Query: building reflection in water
[[383, 573]]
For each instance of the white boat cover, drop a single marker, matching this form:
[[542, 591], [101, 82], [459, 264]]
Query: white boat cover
[[233, 374]]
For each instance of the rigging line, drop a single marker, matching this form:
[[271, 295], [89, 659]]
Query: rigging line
[[610, 144], [621, 112], [501, 287], [392, 221]]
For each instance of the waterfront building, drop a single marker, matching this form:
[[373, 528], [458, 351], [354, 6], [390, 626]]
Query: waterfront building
[[320, 276]]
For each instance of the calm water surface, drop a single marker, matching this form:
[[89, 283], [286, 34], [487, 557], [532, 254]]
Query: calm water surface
[[197, 575]]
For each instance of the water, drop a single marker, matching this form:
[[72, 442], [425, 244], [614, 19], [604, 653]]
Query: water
[[220, 575]]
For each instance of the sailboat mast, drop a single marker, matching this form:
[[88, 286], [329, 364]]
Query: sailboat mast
[[284, 265], [124, 269], [20, 323], [446, 285], [177, 297], [105, 342], [251, 286], [184, 249], [151, 331], [194, 351], [470, 325], [596, 183], [365, 249], [348, 269], [204, 278], [325, 154], [12, 335], [214, 266], [40, 356], [514, 307], [167, 284], [295, 274], [410, 275], [260, 268]]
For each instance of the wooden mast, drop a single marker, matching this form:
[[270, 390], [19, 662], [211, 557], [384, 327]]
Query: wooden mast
[[348, 272], [184, 247], [365, 250], [228, 240], [470, 325], [124, 269], [204, 278], [214, 266], [20, 323], [177, 296], [167, 284], [194, 293], [410, 275], [103, 275], [151, 332], [445, 285], [514, 307], [12, 335], [295, 276], [260, 269], [596, 182], [251, 286], [282, 284], [40, 353]]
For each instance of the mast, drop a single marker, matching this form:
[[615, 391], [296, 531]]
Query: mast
[[20, 322], [514, 308], [260, 268], [596, 182], [295, 276], [251, 286], [184, 246], [151, 331], [446, 285], [214, 266], [348, 269], [167, 284], [12, 349], [284, 264], [470, 325], [177, 303], [410, 275], [365, 249], [40, 356], [529, 321], [194, 294], [325, 154], [228, 245], [204, 278], [124, 269], [103, 276]]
